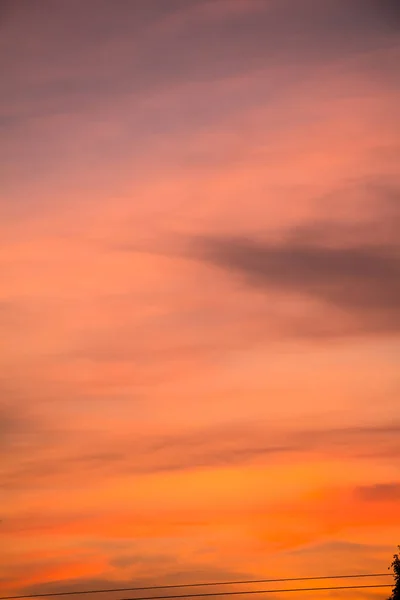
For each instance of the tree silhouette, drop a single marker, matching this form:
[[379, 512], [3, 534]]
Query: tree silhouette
[[396, 570]]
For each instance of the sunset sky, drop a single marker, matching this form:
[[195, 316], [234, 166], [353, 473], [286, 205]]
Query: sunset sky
[[199, 291]]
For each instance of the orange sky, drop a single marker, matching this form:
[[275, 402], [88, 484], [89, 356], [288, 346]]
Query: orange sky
[[199, 292]]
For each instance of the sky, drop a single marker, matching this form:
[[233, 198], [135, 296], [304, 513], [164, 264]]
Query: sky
[[199, 292]]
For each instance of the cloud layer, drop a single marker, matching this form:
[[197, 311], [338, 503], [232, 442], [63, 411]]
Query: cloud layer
[[199, 292]]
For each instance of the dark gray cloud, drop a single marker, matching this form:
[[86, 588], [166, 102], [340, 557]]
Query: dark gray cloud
[[362, 276], [353, 268], [388, 12], [379, 492]]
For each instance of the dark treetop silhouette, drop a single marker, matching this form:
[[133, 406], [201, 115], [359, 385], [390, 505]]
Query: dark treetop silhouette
[[396, 570]]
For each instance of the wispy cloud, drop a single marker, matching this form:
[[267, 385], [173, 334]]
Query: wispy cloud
[[221, 447]]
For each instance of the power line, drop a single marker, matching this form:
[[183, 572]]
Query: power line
[[190, 585], [243, 592]]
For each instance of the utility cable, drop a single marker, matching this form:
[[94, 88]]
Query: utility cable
[[189, 585]]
